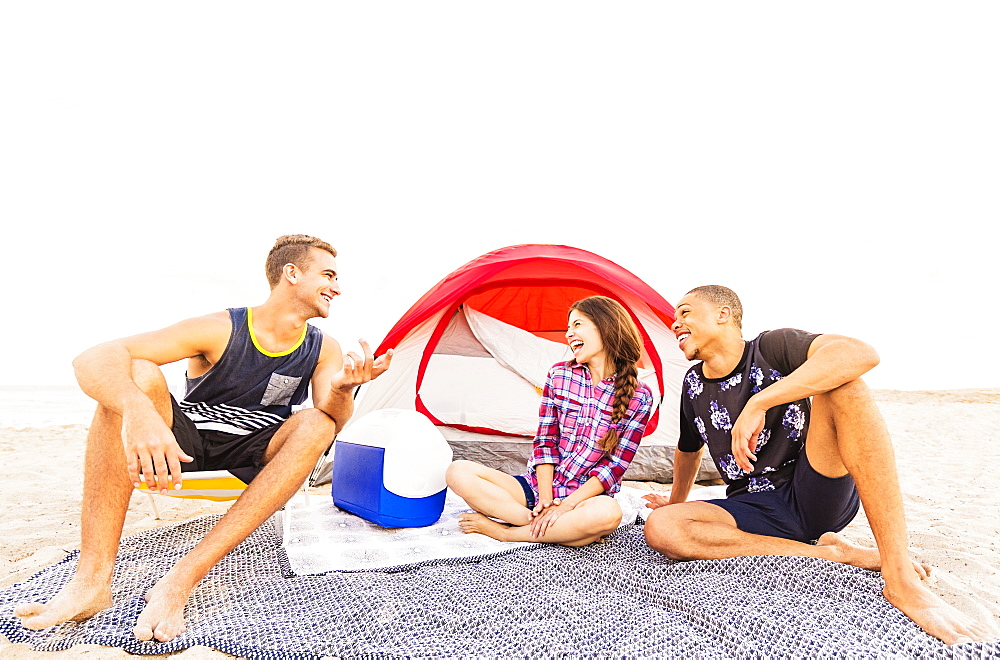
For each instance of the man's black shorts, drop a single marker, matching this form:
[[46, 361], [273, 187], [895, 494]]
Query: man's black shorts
[[243, 455], [802, 509]]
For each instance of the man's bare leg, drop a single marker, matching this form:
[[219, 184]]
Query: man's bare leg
[[290, 457], [847, 433], [592, 519], [699, 530], [106, 492]]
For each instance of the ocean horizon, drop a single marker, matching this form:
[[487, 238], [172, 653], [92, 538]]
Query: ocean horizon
[[44, 405], [38, 406]]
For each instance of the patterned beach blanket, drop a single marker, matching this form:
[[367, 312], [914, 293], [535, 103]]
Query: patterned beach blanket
[[323, 538], [612, 599]]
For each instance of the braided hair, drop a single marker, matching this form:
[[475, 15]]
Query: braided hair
[[623, 346]]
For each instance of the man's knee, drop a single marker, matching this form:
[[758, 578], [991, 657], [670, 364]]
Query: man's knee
[[667, 532], [309, 432], [849, 395], [317, 425], [148, 377], [150, 380]]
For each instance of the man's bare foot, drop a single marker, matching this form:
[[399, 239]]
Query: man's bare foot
[[80, 599], [163, 617], [933, 614], [476, 523], [855, 555]]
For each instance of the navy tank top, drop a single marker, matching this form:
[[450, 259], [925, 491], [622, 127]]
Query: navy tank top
[[249, 389]]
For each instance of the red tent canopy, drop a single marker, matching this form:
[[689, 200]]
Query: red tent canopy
[[530, 287]]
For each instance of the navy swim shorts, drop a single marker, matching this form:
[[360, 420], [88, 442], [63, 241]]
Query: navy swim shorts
[[529, 495], [243, 455], [802, 509]]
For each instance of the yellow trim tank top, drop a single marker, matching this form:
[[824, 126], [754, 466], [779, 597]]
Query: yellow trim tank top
[[249, 389]]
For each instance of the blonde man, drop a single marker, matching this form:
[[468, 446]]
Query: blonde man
[[246, 368]]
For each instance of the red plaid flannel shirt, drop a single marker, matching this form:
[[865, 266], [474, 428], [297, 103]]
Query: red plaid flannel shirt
[[573, 417]]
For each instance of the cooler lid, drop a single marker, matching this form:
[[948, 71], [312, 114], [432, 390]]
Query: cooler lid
[[416, 455]]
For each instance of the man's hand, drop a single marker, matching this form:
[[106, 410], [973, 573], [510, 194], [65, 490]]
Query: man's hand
[[655, 500], [358, 370], [745, 431], [151, 448]]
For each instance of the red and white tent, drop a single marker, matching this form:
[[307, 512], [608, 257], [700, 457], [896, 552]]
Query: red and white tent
[[472, 354]]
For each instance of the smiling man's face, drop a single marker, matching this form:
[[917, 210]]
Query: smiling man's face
[[696, 325]]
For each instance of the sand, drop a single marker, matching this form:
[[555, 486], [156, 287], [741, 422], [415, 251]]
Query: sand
[[944, 443]]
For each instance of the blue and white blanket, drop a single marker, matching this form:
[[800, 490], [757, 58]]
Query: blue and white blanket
[[612, 599]]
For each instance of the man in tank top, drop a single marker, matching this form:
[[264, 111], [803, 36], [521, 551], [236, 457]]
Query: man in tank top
[[795, 468], [246, 368]]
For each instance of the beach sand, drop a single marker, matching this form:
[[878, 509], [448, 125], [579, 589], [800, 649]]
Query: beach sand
[[944, 443]]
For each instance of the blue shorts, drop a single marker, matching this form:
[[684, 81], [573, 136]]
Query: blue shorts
[[529, 495], [802, 509]]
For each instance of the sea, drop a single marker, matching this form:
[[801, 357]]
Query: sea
[[30, 407]]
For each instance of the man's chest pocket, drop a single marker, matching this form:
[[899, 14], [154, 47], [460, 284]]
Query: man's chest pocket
[[280, 390]]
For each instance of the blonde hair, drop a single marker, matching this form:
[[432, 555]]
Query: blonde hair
[[292, 249]]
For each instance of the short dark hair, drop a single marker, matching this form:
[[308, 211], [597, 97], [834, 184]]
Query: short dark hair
[[292, 249], [723, 297]]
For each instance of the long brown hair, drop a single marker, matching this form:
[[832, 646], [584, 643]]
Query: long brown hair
[[623, 346]]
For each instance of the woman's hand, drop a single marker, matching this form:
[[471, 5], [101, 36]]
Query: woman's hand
[[544, 504], [548, 517]]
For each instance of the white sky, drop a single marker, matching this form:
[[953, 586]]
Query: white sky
[[836, 164]]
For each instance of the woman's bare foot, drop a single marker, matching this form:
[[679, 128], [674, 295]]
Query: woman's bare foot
[[163, 617], [933, 614], [476, 523], [80, 599], [852, 554]]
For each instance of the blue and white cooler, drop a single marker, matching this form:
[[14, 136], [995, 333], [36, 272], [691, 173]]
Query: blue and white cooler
[[388, 468]]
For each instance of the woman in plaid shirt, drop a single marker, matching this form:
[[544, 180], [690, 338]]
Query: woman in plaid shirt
[[593, 413]]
